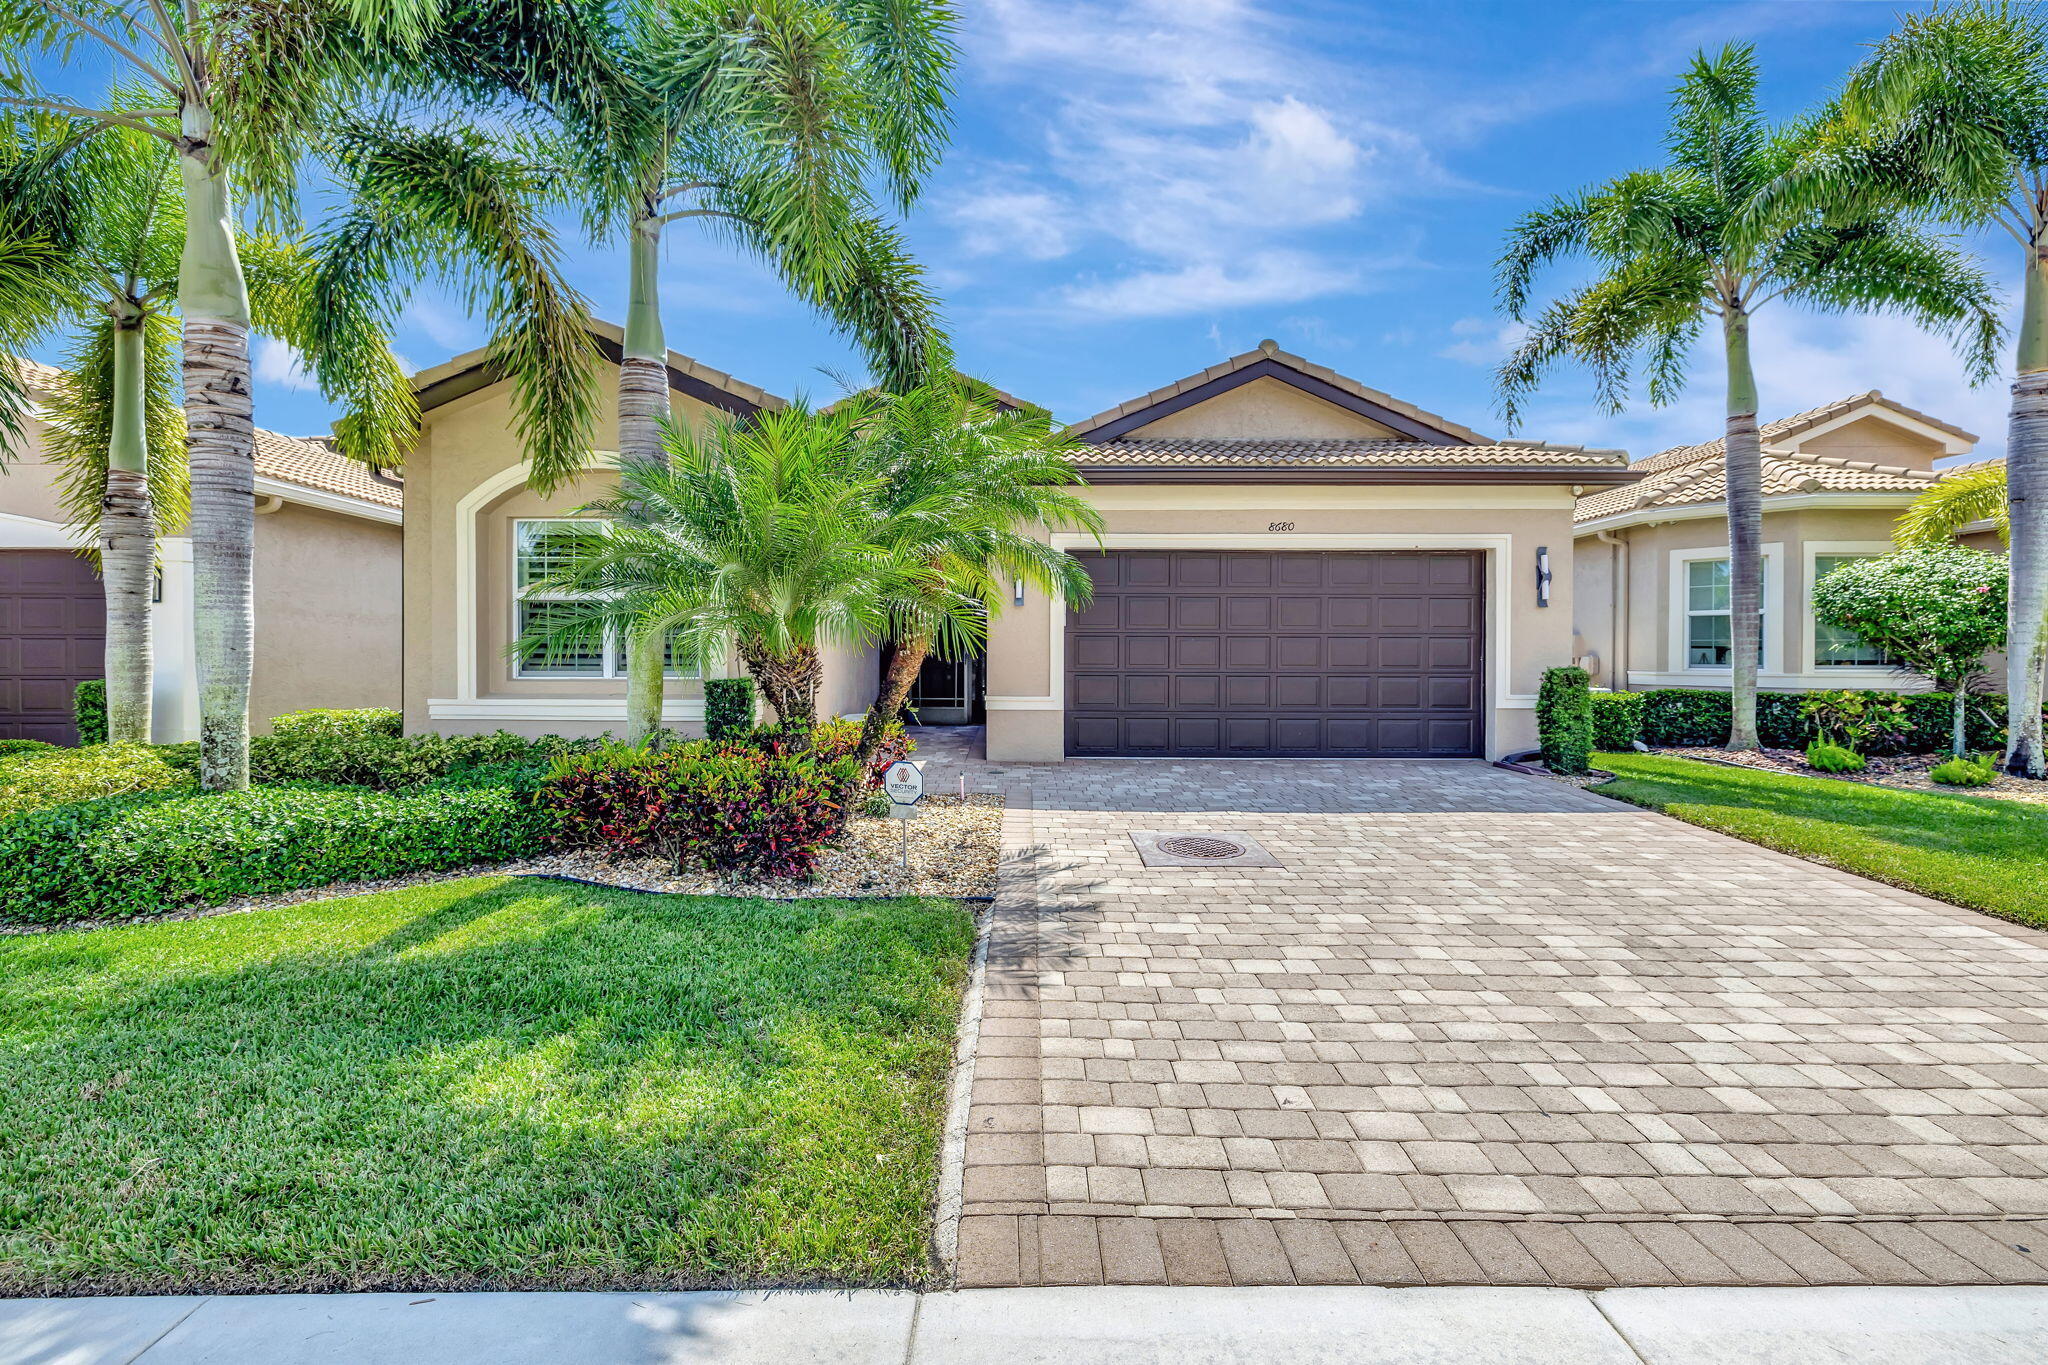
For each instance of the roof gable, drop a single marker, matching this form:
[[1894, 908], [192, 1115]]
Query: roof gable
[[472, 371], [1383, 416]]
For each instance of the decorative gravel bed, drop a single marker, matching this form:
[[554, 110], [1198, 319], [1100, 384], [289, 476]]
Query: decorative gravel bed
[[1905, 772], [953, 847]]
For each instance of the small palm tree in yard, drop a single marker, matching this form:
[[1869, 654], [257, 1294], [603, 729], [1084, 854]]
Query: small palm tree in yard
[[763, 122], [760, 536], [1701, 242], [963, 485], [1951, 112], [107, 215]]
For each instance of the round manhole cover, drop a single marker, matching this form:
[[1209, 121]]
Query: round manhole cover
[[1200, 846]]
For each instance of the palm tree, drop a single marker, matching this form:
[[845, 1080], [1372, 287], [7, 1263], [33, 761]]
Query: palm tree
[[111, 208], [764, 121], [962, 483], [1962, 499], [1701, 238], [764, 535], [1951, 111], [242, 93]]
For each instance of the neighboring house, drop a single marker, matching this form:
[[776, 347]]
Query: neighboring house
[[1651, 559], [327, 593], [1293, 563]]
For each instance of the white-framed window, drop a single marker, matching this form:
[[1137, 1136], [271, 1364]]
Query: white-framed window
[[1709, 634], [1834, 647], [540, 549]]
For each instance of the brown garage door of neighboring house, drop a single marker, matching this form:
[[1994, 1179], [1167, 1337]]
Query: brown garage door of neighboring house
[[53, 627], [1194, 653]]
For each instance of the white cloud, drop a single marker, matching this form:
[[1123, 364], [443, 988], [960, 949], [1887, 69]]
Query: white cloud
[[443, 326], [1003, 221], [1483, 341], [277, 363], [1273, 277]]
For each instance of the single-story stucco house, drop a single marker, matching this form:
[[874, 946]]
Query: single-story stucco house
[[1650, 560], [1294, 563], [328, 565]]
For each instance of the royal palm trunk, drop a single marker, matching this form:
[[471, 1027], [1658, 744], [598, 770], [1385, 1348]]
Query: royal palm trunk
[[1745, 534], [220, 446], [2026, 480], [643, 404], [128, 544]]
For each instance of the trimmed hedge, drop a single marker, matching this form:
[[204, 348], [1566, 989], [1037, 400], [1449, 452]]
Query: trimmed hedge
[[728, 707], [157, 852], [1564, 719], [89, 711], [1617, 721], [10, 748], [1684, 717], [34, 780], [363, 720]]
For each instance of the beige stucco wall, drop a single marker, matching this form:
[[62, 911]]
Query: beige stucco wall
[[1026, 683], [1264, 409], [1876, 440], [1791, 540], [28, 484], [328, 612], [463, 446]]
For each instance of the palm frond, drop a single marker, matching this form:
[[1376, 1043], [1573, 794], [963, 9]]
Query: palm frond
[[1939, 515]]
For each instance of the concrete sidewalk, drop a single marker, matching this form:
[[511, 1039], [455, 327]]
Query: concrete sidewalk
[[1475, 1326]]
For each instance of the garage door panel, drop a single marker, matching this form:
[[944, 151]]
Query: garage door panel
[[1242, 653], [52, 637]]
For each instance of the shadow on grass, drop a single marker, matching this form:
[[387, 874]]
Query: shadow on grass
[[519, 1085]]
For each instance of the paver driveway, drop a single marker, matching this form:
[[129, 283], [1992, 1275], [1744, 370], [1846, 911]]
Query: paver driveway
[[1482, 1027]]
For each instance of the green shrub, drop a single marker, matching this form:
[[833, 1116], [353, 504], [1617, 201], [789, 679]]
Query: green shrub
[[10, 747], [1830, 757], [160, 851], [839, 739], [1617, 721], [366, 756], [1686, 717], [761, 809], [89, 710], [728, 707], [32, 781], [1856, 720], [1967, 772], [367, 720], [1564, 719]]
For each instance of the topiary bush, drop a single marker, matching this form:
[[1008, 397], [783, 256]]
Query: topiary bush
[[365, 720], [1564, 719], [1980, 771], [1617, 721], [728, 707], [33, 780], [89, 711], [755, 809], [160, 851], [1829, 757]]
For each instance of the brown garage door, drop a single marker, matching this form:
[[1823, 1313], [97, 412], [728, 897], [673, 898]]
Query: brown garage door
[[53, 626], [1206, 654]]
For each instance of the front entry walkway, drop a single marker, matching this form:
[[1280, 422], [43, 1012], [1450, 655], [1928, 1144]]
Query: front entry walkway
[[1481, 1028]]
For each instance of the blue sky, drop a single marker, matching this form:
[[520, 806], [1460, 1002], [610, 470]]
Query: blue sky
[[1139, 188]]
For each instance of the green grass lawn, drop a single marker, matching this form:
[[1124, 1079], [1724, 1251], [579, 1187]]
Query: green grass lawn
[[1970, 850], [493, 1082]]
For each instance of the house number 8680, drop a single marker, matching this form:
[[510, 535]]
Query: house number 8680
[[1279, 526]]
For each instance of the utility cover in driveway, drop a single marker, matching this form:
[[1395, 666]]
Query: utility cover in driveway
[[1199, 653]]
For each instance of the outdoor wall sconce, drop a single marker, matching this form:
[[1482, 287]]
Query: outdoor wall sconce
[[1017, 593], [1542, 575]]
